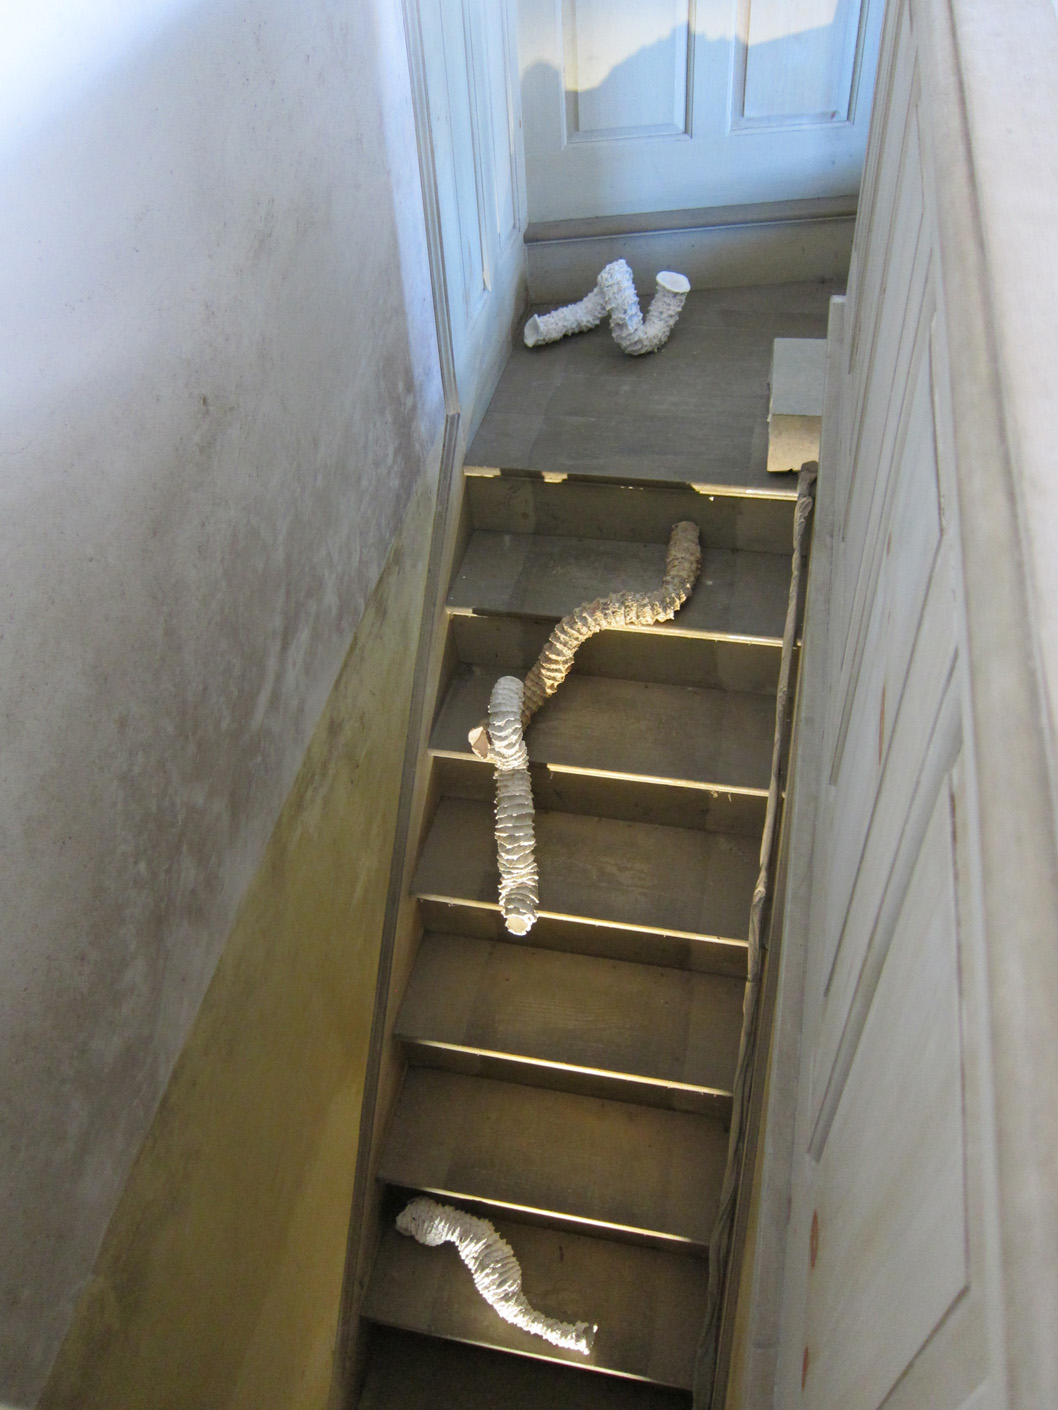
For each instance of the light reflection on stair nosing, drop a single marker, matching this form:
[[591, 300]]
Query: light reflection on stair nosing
[[683, 1241], [777, 494], [618, 775], [662, 629], [666, 932], [554, 1064]]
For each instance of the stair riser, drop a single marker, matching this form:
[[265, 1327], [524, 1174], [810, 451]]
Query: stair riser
[[737, 814], [523, 504], [692, 884], [548, 1219], [577, 1081], [409, 1372], [587, 938], [738, 596], [509, 643], [690, 737]]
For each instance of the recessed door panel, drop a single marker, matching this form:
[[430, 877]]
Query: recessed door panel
[[798, 61], [635, 106], [894, 1159], [625, 68], [469, 67]]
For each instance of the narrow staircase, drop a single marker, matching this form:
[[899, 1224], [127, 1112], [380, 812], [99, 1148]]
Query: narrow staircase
[[574, 1087]]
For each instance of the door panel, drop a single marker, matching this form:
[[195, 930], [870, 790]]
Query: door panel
[[646, 105], [797, 62], [469, 64], [894, 1157], [891, 1291], [596, 42]]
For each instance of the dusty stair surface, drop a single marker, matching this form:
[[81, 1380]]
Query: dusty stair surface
[[574, 1086]]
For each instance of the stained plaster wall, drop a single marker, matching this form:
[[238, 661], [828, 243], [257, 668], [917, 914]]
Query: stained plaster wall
[[219, 402]]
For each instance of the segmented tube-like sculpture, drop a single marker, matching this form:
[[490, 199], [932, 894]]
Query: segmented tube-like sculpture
[[621, 609], [633, 333], [496, 1271], [500, 739], [574, 318], [615, 294], [515, 842]]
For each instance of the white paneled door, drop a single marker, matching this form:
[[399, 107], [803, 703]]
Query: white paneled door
[[470, 71], [633, 106]]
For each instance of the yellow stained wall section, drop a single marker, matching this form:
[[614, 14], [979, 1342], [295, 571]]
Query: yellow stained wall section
[[219, 1280]]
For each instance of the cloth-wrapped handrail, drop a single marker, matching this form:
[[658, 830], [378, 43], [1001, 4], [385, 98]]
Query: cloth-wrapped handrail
[[496, 1271], [706, 1392]]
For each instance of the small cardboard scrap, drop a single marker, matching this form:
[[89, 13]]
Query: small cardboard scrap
[[798, 370]]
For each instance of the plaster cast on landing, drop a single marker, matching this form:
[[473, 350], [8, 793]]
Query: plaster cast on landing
[[615, 293], [496, 1271]]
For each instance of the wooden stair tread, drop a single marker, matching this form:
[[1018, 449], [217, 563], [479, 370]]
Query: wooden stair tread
[[610, 1164], [406, 1371], [648, 1303], [681, 734], [739, 594], [668, 1026], [665, 879]]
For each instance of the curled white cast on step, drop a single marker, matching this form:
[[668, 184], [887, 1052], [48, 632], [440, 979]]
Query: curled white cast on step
[[496, 1271], [615, 294]]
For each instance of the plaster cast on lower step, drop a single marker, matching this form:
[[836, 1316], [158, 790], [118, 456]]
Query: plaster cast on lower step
[[496, 1271], [615, 293]]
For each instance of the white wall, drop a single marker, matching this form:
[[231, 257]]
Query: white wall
[[218, 386]]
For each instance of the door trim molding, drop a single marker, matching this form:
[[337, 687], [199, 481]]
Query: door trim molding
[[431, 201]]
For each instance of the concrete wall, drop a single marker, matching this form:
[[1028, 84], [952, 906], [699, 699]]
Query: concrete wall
[[219, 404], [219, 1281]]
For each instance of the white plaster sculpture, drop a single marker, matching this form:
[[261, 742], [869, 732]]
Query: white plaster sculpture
[[621, 609], [496, 1271], [615, 293], [500, 739], [574, 318], [515, 842]]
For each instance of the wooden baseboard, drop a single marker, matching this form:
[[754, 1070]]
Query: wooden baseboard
[[721, 247]]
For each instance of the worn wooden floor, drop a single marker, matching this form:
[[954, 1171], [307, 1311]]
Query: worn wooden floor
[[695, 412]]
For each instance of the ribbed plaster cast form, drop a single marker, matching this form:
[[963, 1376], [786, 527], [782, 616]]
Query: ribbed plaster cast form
[[615, 294], [515, 842], [620, 609], [512, 706], [496, 1271]]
